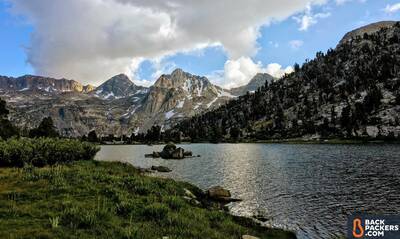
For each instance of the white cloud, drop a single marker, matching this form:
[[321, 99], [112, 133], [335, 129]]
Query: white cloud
[[308, 18], [276, 70], [92, 40], [392, 8], [239, 72], [296, 44]]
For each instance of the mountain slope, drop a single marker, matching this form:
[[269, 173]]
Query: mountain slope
[[368, 29], [352, 91], [255, 83]]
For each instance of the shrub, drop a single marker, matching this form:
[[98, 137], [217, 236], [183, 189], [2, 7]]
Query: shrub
[[40, 152]]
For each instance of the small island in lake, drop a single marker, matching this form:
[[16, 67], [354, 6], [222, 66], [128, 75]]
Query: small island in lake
[[170, 151]]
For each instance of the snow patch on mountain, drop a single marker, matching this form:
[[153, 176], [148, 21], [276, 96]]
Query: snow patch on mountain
[[169, 114]]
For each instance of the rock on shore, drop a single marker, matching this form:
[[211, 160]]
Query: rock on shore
[[170, 151]]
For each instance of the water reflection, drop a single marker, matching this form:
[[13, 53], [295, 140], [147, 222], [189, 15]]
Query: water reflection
[[307, 188]]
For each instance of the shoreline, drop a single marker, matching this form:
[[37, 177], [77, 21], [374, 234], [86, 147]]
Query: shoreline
[[280, 141], [87, 197]]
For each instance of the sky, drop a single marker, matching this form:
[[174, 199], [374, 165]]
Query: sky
[[228, 41]]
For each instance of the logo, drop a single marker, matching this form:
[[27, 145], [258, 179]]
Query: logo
[[373, 226], [358, 229]]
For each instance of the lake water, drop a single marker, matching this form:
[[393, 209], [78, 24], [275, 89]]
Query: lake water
[[310, 189]]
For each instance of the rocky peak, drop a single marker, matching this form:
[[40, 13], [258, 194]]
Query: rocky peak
[[180, 79], [259, 80], [119, 86], [369, 29], [181, 94]]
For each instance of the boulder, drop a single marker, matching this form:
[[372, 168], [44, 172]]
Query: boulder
[[218, 193], [153, 155], [178, 153], [188, 154], [144, 170], [170, 151], [156, 155], [167, 151], [161, 169], [189, 194]]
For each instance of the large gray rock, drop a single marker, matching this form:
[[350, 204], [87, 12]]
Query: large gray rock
[[218, 192], [178, 153], [167, 151]]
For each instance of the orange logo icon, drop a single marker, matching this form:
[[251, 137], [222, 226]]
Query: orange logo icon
[[358, 230]]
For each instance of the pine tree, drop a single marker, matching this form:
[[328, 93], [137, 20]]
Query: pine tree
[[92, 137], [7, 130], [45, 129]]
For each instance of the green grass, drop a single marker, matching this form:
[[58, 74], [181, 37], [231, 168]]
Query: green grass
[[89, 199]]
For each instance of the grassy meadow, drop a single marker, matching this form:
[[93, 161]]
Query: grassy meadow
[[90, 199]]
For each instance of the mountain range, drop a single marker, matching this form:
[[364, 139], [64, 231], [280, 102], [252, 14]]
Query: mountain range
[[350, 91], [118, 106]]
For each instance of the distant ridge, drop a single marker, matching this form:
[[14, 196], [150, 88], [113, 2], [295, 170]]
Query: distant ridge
[[256, 82], [370, 28]]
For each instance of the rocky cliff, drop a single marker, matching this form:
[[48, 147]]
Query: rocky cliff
[[43, 84]]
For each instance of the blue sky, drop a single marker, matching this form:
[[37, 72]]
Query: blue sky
[[281, 42]]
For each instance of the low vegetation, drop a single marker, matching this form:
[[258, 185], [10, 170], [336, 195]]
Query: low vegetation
[[18, 152], [90, 199]]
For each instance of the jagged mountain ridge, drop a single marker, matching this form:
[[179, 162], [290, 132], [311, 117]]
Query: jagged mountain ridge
[[118, 106], [351, 91], [180, 95], [46, 84]]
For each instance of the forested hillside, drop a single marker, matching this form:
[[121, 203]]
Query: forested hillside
[[349, 92]]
